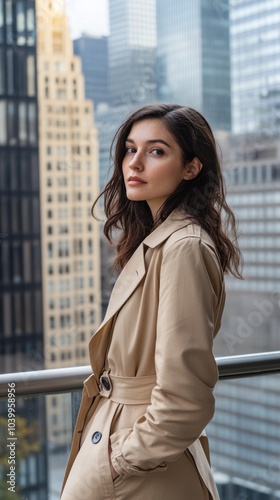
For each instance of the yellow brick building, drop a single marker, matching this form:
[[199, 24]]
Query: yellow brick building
[[68, 152]]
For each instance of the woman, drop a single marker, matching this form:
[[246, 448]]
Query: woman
[[140, 430]]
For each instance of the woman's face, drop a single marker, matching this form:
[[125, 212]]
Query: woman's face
[[152, 166]]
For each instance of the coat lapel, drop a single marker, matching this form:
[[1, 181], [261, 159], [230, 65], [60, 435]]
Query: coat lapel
[[126, 283]]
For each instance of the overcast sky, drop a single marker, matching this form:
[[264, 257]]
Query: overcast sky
[[88, 16]]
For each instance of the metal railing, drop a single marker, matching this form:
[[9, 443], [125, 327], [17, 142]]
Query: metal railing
[[71, 379]]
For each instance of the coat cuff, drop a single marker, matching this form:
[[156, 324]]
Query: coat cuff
[[124, 469]]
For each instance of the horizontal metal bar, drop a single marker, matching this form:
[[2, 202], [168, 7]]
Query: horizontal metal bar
[[249, 365], [45, 381], [71, 379]]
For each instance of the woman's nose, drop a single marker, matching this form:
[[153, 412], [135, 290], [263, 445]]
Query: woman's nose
[[136, 162]]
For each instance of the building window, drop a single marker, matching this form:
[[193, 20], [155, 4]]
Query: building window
[[77, 212], [91, 317], [79, 282], [50, 250], [79, 266], [78, 247], [51, 304], [275, 172], [63, 249], [62, 197], [263, 173], [62, 229], [52, 322]]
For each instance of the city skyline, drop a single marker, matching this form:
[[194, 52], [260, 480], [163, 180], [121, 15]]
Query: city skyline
[[49, 157]]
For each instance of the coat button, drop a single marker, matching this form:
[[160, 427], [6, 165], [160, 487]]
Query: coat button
[[96, 437], [106, 383]]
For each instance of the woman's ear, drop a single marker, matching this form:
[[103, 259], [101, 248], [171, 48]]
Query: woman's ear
[[192, 169]]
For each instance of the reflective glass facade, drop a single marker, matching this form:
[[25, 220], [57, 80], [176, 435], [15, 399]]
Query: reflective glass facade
[[20, 266], [93, 52], [255, 46], [21, 332], [193, 57], [132, 42]]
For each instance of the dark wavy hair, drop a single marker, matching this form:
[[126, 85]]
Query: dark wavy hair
[[202, 198]]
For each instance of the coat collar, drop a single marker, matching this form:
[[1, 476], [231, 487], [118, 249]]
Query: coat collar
[[134, 270], [176, 220]]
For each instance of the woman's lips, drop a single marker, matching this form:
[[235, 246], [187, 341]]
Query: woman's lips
[[135, 181]]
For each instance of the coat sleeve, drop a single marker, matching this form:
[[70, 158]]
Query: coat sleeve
[[182, 402]]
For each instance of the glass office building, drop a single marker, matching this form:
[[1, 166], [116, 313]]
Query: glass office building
[[244, 432], [93, 52], [193, 57], [21, 309], [21, 332], [132, 42], [255, 47]]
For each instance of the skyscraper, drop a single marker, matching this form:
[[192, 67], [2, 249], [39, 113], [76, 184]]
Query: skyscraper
[[20, 245], [68, 186], [21, 328], [93, 52], [132, 43], [245, 438], [255, 47], [193, 57]]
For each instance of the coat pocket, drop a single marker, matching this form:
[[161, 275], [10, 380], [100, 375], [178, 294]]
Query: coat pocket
[[121, 466]]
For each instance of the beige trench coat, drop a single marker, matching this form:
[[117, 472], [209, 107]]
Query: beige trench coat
[[151, 392]]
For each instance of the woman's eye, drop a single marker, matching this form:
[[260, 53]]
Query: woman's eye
[[130, 150], [157, 152]]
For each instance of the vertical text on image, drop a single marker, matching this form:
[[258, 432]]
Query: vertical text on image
[[11, 437]]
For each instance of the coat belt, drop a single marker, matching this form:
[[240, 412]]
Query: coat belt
[[123, 390], [137, 390]]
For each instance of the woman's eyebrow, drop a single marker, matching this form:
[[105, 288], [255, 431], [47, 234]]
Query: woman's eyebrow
[[151, 141]]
